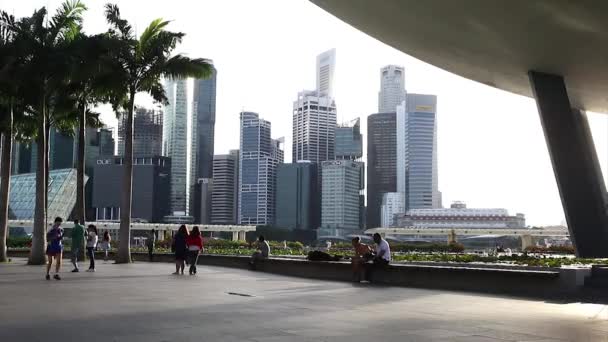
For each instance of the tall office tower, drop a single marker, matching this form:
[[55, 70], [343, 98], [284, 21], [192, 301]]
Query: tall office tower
[[203, 135], [62, 150], [349, 142], [225, 195], [147, 133], [326, 65], [297, 196], [417, 152], [260, 156], [21, 158], [393, 203], [106, 142], [392, 88], [314, 123], [340, 207], [175, 144], [381, 162]]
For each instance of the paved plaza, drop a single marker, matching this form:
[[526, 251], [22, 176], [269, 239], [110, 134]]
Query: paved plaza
[[143, 302]]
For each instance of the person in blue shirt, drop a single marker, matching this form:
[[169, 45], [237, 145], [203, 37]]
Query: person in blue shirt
[[54, 248]]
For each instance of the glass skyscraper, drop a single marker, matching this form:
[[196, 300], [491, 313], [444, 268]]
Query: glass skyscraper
[[297, 196], [340, 206], [259, 158], [417, 176], [392, 88], [349, 144], [147, 133]]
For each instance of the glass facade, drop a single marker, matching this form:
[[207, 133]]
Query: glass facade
[[61, 194], [340, 209], [349, 144]]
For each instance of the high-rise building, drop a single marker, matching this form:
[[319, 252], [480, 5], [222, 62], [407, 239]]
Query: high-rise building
[[147, 133], [21, 158], [106, 142], [393, 203], [62, 150], [340, 206], [297, 196], [225, 195], [175, 144], [314, 123], [259, 158], [417, 152], [392, 88], [326, 65], [381, 162], [151, 181], [203, 132], [203, 190], [349, 142]]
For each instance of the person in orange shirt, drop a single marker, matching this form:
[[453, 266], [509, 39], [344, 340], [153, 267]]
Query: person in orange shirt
[[363, 253]]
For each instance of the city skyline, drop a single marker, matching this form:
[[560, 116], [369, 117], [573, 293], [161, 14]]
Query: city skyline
[[492, 150]]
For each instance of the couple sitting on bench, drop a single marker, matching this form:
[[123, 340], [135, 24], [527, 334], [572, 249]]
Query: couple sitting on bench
[[366, 260]]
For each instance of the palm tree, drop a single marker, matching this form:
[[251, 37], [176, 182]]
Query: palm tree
[[44, 42], [139, 65]]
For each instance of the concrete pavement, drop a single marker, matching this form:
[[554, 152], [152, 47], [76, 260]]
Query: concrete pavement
[[144, 302]]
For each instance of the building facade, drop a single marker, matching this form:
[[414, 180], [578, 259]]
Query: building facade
[[147, 132], [203, 133], [203, 190], [225, 195], [393, 203], [459, 216], [392, 88], [314, 124], [340, 206], [326, 66], [259, 157], [297, 203], [349, 141], [151, 183], [381, 162], [417, 173], [175, 144]]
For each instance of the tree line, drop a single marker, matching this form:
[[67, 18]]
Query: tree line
[[53, 75]]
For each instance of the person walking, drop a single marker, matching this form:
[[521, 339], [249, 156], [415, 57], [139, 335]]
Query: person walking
[[54, 248], [195, 246], [92, 239], [105, 244], [77, 243], [180, 249], [150, 243]]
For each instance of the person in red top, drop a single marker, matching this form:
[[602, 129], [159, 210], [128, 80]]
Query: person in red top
[[194, 241]]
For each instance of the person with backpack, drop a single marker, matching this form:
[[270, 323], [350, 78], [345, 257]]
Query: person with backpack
[[77, 243], [92, 239], [54, 248], [195, 246]]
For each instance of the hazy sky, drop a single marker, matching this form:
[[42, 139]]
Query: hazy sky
[[492, 151]]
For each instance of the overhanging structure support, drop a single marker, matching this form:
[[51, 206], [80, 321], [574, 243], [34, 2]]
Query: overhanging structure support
[[575, 164]]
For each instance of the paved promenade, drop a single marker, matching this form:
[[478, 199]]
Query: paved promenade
[[143, 303]]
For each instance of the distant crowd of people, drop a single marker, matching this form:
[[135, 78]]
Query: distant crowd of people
[[188, 245]]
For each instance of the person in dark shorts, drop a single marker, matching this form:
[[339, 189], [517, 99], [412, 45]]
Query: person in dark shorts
[[54, 248], [180, 247], [195, 246]]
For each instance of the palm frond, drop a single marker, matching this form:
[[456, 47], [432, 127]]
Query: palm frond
[[67, 22], [180, 66], [119, 26], [154, 28]]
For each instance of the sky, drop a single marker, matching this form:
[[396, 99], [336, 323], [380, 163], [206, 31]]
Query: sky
[[492, 152]]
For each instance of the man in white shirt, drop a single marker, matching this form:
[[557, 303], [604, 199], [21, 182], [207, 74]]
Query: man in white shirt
[[382, 257]]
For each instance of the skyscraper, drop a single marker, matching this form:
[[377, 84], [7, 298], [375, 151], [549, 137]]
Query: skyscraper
[[314, 123], [381, 162], [349, 144], [392, 88], [61, 150], [175, 144], [203, 132], [417, 176], [260, 156], [326, 65], [297, 196], [225, 195], [106, 142], [340, 207], [147, 133]]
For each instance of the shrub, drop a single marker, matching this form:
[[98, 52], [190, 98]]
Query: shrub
[[19, 242], [552, 249]]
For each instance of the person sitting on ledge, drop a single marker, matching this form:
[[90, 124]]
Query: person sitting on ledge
[[262, 252], [363, 253], [382, 257]]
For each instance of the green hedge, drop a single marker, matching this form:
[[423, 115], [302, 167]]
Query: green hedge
[[18, 242], [552, 249]]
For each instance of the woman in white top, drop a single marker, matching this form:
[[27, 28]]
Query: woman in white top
[[91, 245]]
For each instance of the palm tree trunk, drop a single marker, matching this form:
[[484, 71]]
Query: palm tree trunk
[[124, 236], [5, 184], [47, 169], [80, 196], [37, 252]]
